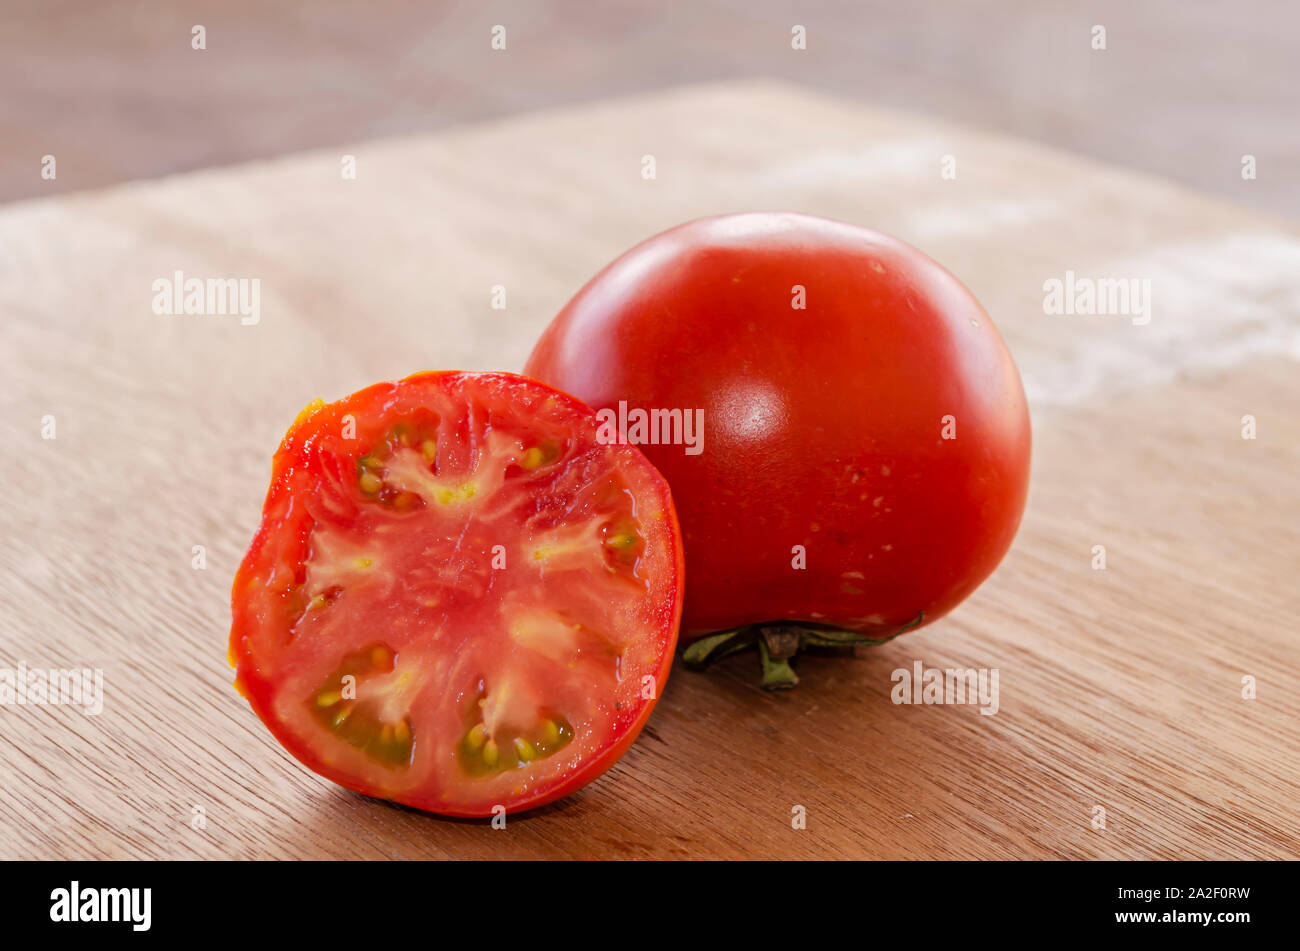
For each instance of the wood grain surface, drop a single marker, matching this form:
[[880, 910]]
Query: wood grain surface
[[1120, 689]]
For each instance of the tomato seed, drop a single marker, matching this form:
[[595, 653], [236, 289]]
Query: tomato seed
[[525, 749]]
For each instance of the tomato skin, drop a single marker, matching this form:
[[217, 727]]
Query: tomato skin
[[282, 542], [823, 426]]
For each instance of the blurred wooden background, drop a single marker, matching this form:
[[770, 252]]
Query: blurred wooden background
[[114, 91]]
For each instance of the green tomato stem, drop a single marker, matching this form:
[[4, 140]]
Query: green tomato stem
[[778, 643], [777, 672]]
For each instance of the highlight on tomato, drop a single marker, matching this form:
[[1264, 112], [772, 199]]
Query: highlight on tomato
[[459, 597], [865, 456]]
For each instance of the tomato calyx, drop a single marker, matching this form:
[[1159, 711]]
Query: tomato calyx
[[778, 642]]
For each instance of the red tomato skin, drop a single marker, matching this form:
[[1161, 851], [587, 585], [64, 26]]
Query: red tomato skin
[[257, 687], [823, 426]]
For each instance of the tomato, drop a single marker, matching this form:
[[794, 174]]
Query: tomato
[[865, 452], [458, 597]]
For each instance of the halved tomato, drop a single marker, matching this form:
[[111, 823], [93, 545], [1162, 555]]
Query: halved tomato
[[459, 597]]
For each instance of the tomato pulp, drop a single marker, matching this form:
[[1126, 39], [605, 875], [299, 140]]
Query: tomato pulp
[[459, 597], [865, 457]]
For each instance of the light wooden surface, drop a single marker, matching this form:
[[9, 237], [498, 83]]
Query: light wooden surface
[[1119, 688], [115, 92]]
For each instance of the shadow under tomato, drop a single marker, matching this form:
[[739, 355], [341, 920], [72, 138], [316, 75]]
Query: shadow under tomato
[[558, 807]]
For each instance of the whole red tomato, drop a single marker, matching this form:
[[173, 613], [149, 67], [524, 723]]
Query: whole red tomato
[[865, 451]]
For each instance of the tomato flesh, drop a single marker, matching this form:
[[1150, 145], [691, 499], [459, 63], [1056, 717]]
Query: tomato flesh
[[459, 598]]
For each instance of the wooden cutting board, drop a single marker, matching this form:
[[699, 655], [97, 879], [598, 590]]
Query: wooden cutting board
[[1123, 727]]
